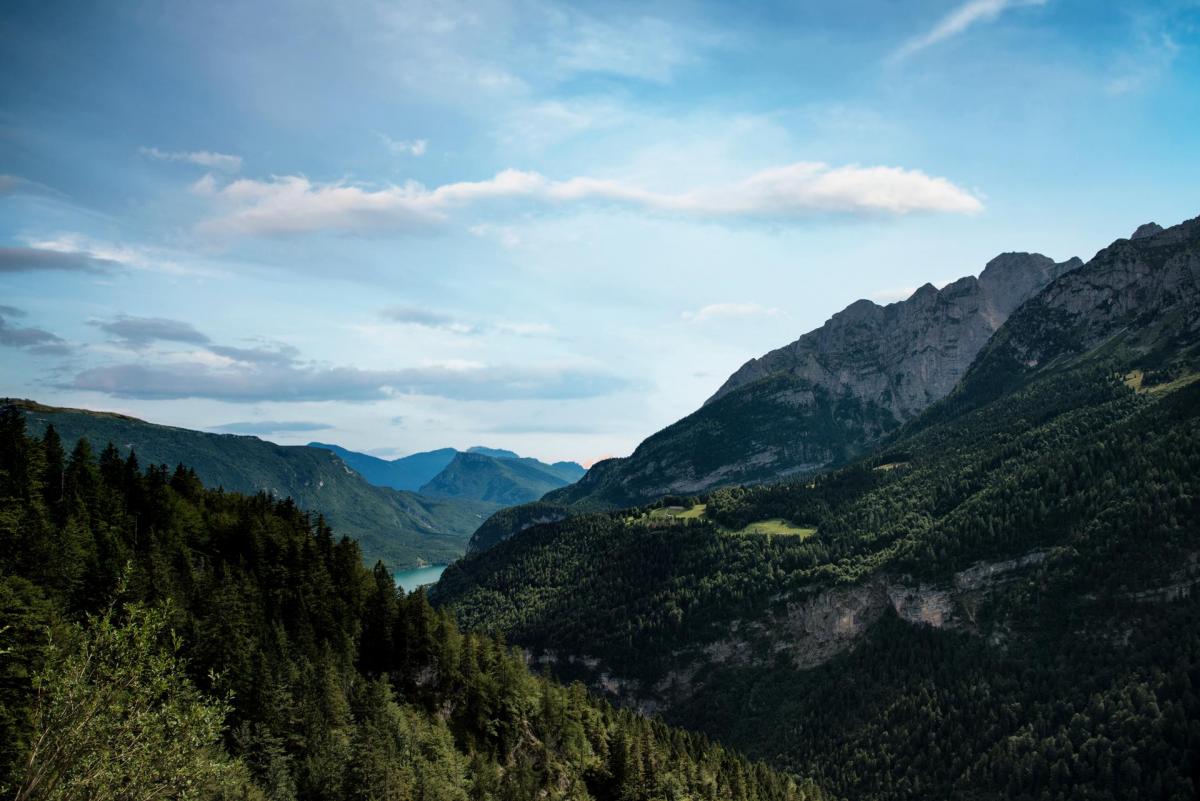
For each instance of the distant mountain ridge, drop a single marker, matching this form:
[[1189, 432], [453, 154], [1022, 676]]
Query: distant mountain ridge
[[402, 528], [491, 475], [406, 473], [506, 481], [567, 471], [825, 398]]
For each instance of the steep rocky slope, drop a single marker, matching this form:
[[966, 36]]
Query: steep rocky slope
[[825, 398], [1000, 599]]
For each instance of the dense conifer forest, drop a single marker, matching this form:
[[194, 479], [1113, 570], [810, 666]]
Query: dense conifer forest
[[162, 640], [1076, 677]]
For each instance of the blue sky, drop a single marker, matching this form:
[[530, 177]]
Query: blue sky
[[548, 227]]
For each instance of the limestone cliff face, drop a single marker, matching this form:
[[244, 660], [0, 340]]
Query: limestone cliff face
[[828, 396], [811, 631], [907, 355]]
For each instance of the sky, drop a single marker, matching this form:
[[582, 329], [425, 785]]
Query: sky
[[554, 228]]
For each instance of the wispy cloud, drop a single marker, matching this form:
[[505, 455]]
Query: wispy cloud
[[277, 373], [139, 332], [404, 147], [203, 158], [84, 253], [1137, 70], [255, 427], [307, 382], [426, 318], [290, 205], [24, 260], [16, 185], [645, 48], [278, 353], [958, 21], [717, 311], [531, 330], [36, 340]]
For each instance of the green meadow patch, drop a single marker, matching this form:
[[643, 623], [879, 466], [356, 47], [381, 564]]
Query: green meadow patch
[[679, 512], [776, 526]]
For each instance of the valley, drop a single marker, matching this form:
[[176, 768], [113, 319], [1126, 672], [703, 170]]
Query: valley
[[581, 401]]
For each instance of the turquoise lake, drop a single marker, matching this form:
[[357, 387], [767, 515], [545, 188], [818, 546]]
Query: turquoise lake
[[411, 579]]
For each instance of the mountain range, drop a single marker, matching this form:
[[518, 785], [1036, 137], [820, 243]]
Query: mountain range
[[827, 397], [485, 474], [976, 578], [406, 473], [937, 576], [402, 528]]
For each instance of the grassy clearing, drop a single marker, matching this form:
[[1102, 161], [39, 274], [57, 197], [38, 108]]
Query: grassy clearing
[[1136, 380], [1171, 386], [679, 512], [776, 526]]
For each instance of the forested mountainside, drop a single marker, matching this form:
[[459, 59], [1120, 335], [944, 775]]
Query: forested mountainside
[[402, 528], [512, 520], [160, 637], [567, 471], [998, 603], [826, 398]]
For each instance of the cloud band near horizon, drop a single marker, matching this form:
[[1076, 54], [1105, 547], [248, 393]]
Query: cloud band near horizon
[[294, 205], [250, 383]]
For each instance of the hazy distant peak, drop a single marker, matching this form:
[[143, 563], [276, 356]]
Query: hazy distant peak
[[495, 453]]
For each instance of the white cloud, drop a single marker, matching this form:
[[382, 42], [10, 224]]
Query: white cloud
[[204, 158], [959, 20], [293, 204], [296, 381], [715, 311], [137, 258], [404, 147]]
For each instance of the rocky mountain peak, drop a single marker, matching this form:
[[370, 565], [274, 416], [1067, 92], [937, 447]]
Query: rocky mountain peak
[[906, 355], [828, 395], [1147, 229], [1145, 290]]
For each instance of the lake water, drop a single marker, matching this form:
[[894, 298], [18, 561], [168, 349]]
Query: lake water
[[411, 579]]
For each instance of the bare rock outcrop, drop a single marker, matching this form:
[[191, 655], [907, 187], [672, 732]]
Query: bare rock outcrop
[[906, 355]]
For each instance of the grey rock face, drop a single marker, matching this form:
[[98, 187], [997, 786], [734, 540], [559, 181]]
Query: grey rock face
[[1147, 229], [1140, 291], [828, 396], [906, 355]]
